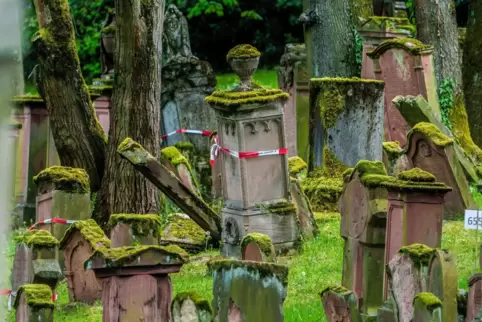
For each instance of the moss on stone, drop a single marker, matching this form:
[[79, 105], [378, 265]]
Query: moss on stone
[[140, 225], [174, 156], [183, 228], [280, 208], [347, 174], [243, 51], [65, 178], [371, 173], [416, 175], [109, 30], [432, 132], [319, 82], [230, 99], [413, 46], [28, 98], [200, 302], [392, 148], [92, 232], [38, 296], [39, 239], [263, 241], [184, 146], [331, 104], [420, 254], [429, 300], [296, 165], [265, 270], [338, 289], [128, 145]]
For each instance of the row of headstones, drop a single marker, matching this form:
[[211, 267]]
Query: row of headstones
[[393, 267]]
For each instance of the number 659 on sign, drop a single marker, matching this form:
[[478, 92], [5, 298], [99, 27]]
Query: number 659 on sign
[[473, 220]]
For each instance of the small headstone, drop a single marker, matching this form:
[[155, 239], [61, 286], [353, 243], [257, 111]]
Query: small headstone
[[427, 308], [340, 305], [258, 247], [474, 300], [34, 303], [190, 307]]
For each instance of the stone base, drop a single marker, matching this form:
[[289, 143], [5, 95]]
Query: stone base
[[281, 228]]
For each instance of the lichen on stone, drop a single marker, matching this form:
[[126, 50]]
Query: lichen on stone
[[140, 225], [38, 296], [243, 51], [296, 165], [263, 241], [92, 232], [432, 132], [419, 254], [429, 300], [65, 178], [39, 239], [200, 302], [413, 46], [335, 289], [229, 99], [416, 175]]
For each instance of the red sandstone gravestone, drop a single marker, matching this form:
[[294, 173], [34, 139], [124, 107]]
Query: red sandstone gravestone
[[340, 305], [474, 301], [34, 304]]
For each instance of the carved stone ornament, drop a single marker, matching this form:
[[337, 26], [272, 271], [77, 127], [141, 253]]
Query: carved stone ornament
[[231, 231], [176, 36]]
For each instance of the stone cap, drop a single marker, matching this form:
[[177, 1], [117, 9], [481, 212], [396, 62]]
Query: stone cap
[[419, 253], [38, 239], [432, 133], [429, 300], [413, 46], [69, 179], [415, 180], [92, 232], [37, 295], [239, 101], [243, 51]]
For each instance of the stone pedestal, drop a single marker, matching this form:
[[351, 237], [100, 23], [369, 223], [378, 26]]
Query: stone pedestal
[[406, 67], [415, 212], [63, 193], [363, 209], [265, 283], [34, 304], [252, 153], [474, 301]]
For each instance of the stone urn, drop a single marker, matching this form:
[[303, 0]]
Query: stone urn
[[244, 60], [107, 45]]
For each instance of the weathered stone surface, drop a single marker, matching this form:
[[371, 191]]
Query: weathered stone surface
[[265, 283], [474, 300], [190, 307], [345, 116], [340, 305], [183, 231], [304, 212], [258, 247], [388, 312], [20, 271], [427, 308], [34, 304]]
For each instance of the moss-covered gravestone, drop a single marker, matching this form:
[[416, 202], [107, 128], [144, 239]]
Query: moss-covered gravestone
[[474, 300], [253, 156], [190, 307], [427, 308], [265, 283], [340, 305], [133, 229], [363, 208], [183, 231], [79, 242], [34, 303], [406, 66], [297, 167], [172, 159], [258, 247], [346, 117], [63, 193]]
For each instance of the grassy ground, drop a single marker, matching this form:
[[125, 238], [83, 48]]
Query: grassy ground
[[265, 78], [318, 266]]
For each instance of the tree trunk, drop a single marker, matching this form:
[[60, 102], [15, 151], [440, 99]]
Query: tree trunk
[[330, 38], [472, 70], [78, 136], [437, 26], [136, 107]]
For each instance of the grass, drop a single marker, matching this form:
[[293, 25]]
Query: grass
[[263, 77], [318, 266]]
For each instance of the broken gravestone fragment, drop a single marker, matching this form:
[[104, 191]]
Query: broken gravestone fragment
[[191, 307], [258, 247], [264, 282], [34, 303], [134, 229], [340, 305], [427, 308], [182, 231]]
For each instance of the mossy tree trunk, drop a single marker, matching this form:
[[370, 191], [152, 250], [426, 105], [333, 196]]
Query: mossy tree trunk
[[437, 26], [472, 70], [330, 39], [136, 107], [78, 136]]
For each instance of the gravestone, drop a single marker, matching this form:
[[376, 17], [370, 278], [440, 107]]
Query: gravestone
[[406, 67], [363, 209], [474, 300], [345, 117], [258, 247], [34, 304], [265, 283], [427, 308], [340, 305], [190, 307]]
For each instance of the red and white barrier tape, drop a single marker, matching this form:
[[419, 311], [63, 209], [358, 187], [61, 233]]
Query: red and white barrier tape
[[11, 294], [242, 155], [52, 221], [200, 132]]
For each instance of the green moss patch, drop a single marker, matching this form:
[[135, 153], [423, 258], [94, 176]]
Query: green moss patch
[[319, 82], [371, 173], [128, 145], [338, 289], [140, 225], [243, 51], [92, 232], [279, 208], [431, 132], [416, 175], [230, 99], [296, 165], [38, 296], [420, 254], [200, 302], [39, 239], [430, 301], [323, 192], [184, 146], [65, 178], [393, 149], [411, 45], [415, 180], [109, 30], [184, 229], [265, 270], [263, 241], [27, 99]]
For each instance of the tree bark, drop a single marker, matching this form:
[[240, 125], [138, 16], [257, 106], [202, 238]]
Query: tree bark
[[136, 108], [329, 37], [78, 136], [472, 70], [437, 26]]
